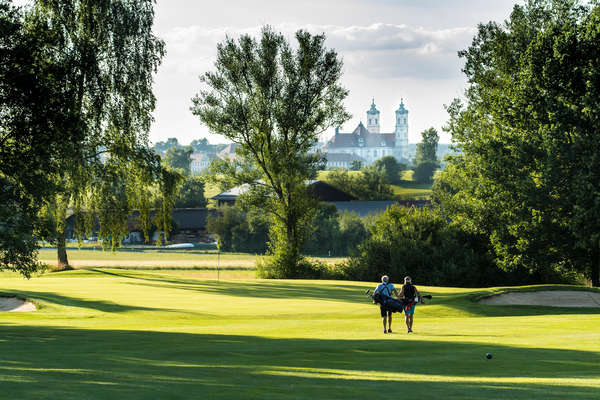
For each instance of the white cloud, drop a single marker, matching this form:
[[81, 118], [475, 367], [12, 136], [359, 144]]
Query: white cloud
[[386, 50]]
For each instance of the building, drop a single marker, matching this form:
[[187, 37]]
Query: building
[[228, 153], [200, 162], [342, 160], [368, 143]]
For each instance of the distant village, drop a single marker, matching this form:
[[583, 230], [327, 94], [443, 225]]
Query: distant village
[[363, 145]]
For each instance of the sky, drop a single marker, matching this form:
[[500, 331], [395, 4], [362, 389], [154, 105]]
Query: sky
[[392, 50]]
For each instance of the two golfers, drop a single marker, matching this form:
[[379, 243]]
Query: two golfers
[[409, 295]]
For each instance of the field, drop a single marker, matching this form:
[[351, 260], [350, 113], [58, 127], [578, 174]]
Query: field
[[191, 263], [137, 334], [404, 191]]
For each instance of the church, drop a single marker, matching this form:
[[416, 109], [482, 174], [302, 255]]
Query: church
[[367, 144]]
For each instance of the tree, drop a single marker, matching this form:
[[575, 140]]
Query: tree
[[369, 184], [427, 149], [111, 54], [36, 132], [274, 101], [180, 158], [191, 194], [203, 146], [392, 168], [240, 230], [162, 147], [424, 171], [426, 161], [356, 165], [529, 136]]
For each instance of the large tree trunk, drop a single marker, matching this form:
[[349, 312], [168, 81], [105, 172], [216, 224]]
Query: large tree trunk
[[61, 234], [61, 246]]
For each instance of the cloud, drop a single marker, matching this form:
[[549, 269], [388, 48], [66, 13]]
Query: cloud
[[376, 50]]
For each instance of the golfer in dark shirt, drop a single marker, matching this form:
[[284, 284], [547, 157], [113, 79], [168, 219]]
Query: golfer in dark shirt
[[386, 289]]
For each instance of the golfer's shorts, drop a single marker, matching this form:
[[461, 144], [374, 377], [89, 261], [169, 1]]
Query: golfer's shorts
[[385, 311], [411, 310]]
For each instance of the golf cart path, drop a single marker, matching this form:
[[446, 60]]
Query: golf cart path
[[550, 298], [13, 304]]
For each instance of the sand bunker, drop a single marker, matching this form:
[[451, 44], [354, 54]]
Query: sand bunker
[[551, 298], [13, 304]]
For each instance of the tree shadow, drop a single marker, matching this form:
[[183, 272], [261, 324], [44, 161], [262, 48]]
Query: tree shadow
[[271, 289], [43, 362], [69, 301], [299, 289]]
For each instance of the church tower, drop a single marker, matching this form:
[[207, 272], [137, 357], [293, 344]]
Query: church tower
[[401, 131], [373, 119]]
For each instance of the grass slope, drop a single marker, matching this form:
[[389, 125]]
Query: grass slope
[[151, 334]]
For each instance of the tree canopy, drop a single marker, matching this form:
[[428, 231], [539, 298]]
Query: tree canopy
[[529, 132], [76, 102], [274, 100]]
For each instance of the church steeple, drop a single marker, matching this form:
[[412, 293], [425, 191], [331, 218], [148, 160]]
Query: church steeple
[[401, 131], [373, 118]]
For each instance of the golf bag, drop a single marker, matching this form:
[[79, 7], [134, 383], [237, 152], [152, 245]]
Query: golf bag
[[390, 303]]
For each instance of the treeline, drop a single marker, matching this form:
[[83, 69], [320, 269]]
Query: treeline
[[333, 234]]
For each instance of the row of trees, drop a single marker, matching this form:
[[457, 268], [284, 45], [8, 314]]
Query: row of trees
[[529, 131], [248, 231], [197, 145], [523, 193], [75, 109]]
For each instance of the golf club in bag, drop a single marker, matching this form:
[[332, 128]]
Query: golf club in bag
[[392, 304]]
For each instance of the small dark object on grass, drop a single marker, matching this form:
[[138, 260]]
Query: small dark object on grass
[[488, 356]]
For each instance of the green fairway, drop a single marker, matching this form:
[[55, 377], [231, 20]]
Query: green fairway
[[130, 334], [153, 259]]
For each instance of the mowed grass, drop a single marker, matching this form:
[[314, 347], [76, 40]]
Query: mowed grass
[[131, 334], [152, 259]]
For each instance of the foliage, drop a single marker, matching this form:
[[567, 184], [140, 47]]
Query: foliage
[[529, 136], [427, 149], [325, 237], [424, 171], [356, 165], [191, 194], [239, 230], [110, 54], [392, 168], [432, 250], [36, 131], [274, 101], [370, 184], [162, 147], [180, 158], [426, 161], [353, 231]]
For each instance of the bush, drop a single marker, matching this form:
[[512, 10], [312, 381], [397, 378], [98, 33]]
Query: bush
[[424, 245], [423, 172], [272, 268], [240, 230]]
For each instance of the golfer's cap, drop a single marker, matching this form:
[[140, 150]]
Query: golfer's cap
[[407, 279], [385, 278]]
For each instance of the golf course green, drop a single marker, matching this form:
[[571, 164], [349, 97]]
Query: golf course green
[[103, 333]]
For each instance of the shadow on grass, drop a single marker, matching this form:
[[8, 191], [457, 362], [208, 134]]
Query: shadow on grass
[[98, 305], [42, 362], [271, 289]]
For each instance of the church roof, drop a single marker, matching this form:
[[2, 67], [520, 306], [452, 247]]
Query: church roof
[[361, 137]]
